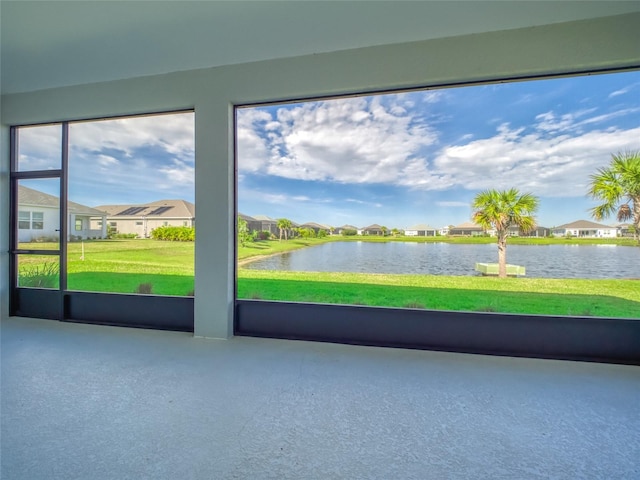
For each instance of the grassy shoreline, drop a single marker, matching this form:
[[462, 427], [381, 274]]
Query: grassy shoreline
[[574, 297], [122, 265]]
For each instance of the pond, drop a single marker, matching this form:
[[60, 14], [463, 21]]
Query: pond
[[545, 261]]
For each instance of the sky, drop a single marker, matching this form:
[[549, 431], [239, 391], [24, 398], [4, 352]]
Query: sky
[[132, 160], [397, 160], [420, 157]]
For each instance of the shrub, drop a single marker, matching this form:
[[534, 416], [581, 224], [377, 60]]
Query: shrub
[[263, 235], [144, 288], [39, 276], [348, 232], [174, 234]]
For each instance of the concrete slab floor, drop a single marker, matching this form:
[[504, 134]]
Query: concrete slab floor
[[93, 402]]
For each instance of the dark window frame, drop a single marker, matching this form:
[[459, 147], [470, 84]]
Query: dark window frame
[[594, 339], [141, 311]]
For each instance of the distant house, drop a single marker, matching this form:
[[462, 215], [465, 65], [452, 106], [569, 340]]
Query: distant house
[[142, 219], [468, 229], [445, 230], [585, 229], [374, 229], [267, 224], [39, 218], [537, 232], [421, 230], [316, 227], [624, 230], [515, 231], [343, 228], [252, 223]]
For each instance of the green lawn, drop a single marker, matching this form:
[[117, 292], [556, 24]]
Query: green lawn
[[607, 298], [123, 265]]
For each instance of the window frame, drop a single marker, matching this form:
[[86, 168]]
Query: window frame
[[593, 339], [39, 223], [103, 308]]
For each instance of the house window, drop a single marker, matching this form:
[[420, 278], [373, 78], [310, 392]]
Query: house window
[[139, 224], [37, 220], [78, 224], [24, 220], [113, 224]]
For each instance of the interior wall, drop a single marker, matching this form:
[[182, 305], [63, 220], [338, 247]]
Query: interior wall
[[605, 43]]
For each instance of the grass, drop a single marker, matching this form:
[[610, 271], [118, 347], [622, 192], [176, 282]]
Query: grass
[[582, 297], [167, 268], [123, 265], [271, 247]]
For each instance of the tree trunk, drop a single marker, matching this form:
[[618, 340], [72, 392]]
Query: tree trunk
[[636, 218], [502, 255]]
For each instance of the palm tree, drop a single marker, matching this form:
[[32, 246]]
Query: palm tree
[[384, 230], [501, 209], [618, 188], [284, 225]]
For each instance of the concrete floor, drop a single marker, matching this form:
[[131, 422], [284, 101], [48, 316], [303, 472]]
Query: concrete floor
[[91, 402]]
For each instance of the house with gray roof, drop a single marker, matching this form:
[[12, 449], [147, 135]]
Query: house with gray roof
[[316, 227], [346, 228], [469, 229], [585, 229], [39, 218], [374, 229], [142, 219], [420, 230]]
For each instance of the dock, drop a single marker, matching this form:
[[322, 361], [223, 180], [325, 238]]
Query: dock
[[492, 269]]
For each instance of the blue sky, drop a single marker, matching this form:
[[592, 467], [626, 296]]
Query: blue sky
[[396, 160], [420, 157], [131, 160]]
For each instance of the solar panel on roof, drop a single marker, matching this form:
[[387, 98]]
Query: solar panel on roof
[[160, 210], [131, 211]]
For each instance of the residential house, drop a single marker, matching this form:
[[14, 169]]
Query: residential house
[[374, 229], [536, 232], [142, 219], [625, 230], [267, 224], [341, 229], [316, 227], [421, 230], [445, 230], [468, 229], [252, 223], [585, 229], [39, 218]]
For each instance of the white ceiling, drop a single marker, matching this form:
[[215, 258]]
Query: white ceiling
[[55, 43]]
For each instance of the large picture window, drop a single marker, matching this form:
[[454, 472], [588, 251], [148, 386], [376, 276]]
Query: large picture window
[[478, 198], [125, 224]]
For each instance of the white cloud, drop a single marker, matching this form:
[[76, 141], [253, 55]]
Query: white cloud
[[554, 167], [373, 140], [355, 140], [623, 90], [362, 202]]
